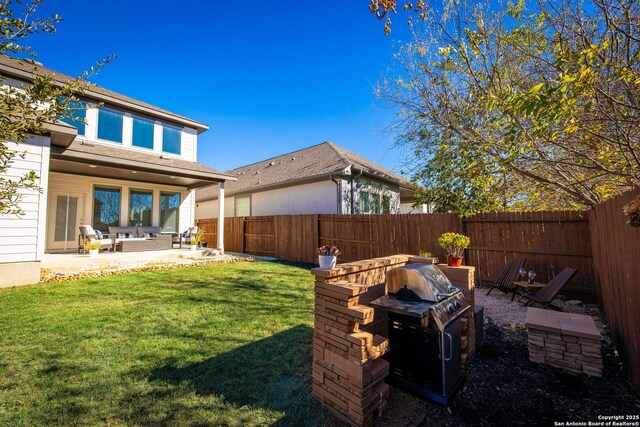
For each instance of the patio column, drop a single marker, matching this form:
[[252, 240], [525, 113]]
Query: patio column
[[221, 216]]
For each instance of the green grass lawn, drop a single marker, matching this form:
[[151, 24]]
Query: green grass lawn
[[228, 344]]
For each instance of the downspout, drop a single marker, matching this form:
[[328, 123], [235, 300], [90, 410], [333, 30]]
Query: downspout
[[338, 195], [352, 178]]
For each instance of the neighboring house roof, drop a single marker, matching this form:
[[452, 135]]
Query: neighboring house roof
[[24, 69], [308, 164], [109, 161]]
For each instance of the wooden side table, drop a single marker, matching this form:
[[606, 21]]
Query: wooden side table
[[529, 288]]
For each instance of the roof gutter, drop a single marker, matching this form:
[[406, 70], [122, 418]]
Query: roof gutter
[[339, 195]]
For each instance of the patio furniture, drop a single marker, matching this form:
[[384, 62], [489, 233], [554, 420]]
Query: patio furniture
[[183, 238], [547, 294], [88, 234], [138, 239], [529, 288], [505, 282]]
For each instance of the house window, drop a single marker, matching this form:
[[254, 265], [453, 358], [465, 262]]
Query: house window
[[142, 133], [106, 208], [364, 202], [375, 203], [171, 139], [243, 206], [140, 207], [386, 205], [77, 114], [110, 125], [170, 212]]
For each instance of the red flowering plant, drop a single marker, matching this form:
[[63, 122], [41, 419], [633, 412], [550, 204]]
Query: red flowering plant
[[328, 250]]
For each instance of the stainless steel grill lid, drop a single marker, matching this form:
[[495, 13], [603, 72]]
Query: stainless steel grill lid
[[424, 281]]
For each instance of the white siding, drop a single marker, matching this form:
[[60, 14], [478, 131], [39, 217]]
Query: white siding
[[187, 211], [22, 237], [314, 198], [209, 209], [189, 144], [407, 208]]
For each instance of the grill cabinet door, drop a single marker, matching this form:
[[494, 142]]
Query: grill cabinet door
[[415, 353]]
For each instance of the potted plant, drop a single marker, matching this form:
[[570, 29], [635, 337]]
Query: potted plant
[[327, 256], [93, 248], [196, 238], [454, 244]]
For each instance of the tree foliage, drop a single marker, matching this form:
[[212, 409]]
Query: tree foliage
[[26, 109], [521, 105]]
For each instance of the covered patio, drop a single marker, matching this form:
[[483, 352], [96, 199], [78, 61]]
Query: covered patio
[[94, 184]]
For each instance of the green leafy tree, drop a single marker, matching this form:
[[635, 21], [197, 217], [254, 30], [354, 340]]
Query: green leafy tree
[[27, 108], [521, 105]]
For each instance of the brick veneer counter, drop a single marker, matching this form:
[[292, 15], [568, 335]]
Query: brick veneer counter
[[350, 336], [564, 340]]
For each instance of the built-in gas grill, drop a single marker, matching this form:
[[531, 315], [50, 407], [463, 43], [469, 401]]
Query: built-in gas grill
[[424, 311]]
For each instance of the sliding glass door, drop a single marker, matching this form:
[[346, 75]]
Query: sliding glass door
[[106, 208], [170, 212]]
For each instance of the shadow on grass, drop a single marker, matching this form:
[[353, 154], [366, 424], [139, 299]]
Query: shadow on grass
[[272, 373]]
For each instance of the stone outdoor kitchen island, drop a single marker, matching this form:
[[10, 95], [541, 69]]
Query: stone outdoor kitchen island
[[350, 336]]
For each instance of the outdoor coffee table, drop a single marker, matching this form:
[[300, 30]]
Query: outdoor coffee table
[[529, 288]]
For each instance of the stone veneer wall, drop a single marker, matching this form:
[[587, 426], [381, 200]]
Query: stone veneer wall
[[350, 336], [564, 340]]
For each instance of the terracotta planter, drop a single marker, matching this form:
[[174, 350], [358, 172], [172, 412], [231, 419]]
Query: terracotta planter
[[327, 262], [454, 261]]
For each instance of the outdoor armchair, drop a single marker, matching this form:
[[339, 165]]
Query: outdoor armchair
[[88, 234], [547, 294], [184, 238], [505, 282]]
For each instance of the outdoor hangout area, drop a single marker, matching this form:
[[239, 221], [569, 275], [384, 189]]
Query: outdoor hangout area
[[430, 217], [234, 344], [514, 335]]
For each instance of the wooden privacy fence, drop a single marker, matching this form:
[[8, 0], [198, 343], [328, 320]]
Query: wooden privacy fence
[[617, 267], [295, 237], [549, 241]]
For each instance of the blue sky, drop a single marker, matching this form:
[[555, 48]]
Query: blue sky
[[267, 77]]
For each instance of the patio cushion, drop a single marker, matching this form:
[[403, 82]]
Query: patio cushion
[[149, 232], [120, 232]]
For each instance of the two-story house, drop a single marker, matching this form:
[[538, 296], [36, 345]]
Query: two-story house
[[128, 164]]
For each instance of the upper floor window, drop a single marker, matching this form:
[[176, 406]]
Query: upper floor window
[[77, 114], [171, 139], [142, 133], [110, 125]]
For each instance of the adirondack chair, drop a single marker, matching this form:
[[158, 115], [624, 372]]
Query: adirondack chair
[[546, 295], [504, 282]]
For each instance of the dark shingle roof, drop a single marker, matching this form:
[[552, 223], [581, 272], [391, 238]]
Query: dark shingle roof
[[24, 69], [154, 161], [307, 164]]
